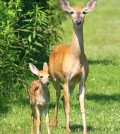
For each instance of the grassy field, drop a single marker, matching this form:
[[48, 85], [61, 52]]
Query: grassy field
[[102, 47]]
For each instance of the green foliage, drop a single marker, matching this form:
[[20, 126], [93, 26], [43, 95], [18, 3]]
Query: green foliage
[[27, 34], [102, 47], [8, 55]]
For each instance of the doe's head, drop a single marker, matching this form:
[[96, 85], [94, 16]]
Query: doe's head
[[42, 74], [78, 13]]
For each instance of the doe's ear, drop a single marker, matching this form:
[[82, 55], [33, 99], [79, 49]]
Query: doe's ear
[[65, 5], [33, 69], [45, 66], [90, 6]]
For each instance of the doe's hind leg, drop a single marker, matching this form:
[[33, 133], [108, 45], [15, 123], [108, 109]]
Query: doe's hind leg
[[58, 92]]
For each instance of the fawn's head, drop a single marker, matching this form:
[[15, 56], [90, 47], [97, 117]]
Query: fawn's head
[[78, 13], [42, 74]]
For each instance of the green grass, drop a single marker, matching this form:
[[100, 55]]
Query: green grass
[[102, 47]]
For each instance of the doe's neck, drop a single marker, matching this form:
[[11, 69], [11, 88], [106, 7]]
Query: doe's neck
[[77, 46]]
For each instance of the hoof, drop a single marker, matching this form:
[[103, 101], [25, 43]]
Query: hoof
[[54, 123], [85, 132], [68, 130]]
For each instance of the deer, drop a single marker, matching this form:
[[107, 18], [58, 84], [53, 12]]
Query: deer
[[68, 64], [39, 97]]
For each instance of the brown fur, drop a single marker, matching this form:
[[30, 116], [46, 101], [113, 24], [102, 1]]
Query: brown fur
[[39, 99], [60, 68], [68, 64]]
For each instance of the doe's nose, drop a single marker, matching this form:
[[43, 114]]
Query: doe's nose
[[78, 22]]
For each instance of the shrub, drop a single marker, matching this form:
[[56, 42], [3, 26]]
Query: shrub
[[27, 34]]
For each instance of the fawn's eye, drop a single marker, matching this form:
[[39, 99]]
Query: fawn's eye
[[84, 12], [71, 12], [41, 76]]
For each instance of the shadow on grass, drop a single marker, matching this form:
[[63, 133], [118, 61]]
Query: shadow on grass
[[4, 107], [78, 128], [104, 62], [103, 97], [52, 105], [23, 101]]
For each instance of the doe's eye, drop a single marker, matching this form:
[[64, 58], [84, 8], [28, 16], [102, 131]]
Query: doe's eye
[[41, 76], [71, 12]]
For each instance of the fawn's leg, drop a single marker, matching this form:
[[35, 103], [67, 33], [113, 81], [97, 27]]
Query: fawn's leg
[[46, 112], [38, 121], [32, 119]]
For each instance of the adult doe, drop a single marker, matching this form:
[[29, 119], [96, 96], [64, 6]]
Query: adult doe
[[68, 64]]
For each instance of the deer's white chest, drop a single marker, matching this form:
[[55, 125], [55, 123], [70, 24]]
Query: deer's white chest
[[43, 100]]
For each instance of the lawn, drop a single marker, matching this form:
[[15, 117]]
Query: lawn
[[102, 47]]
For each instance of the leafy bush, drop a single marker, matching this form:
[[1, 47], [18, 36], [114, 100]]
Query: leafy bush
[[27, 34]]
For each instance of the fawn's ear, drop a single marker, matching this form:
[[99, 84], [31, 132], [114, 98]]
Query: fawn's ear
[[65, 5], [90, 6], [45, 66], [33, 69]]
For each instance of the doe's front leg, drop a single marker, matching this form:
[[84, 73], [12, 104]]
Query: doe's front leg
[[82, 106], [67, 106]]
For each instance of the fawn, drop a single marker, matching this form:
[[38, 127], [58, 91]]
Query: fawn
[[39, 97]]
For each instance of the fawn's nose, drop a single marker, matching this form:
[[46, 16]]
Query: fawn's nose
[[47, 83]]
